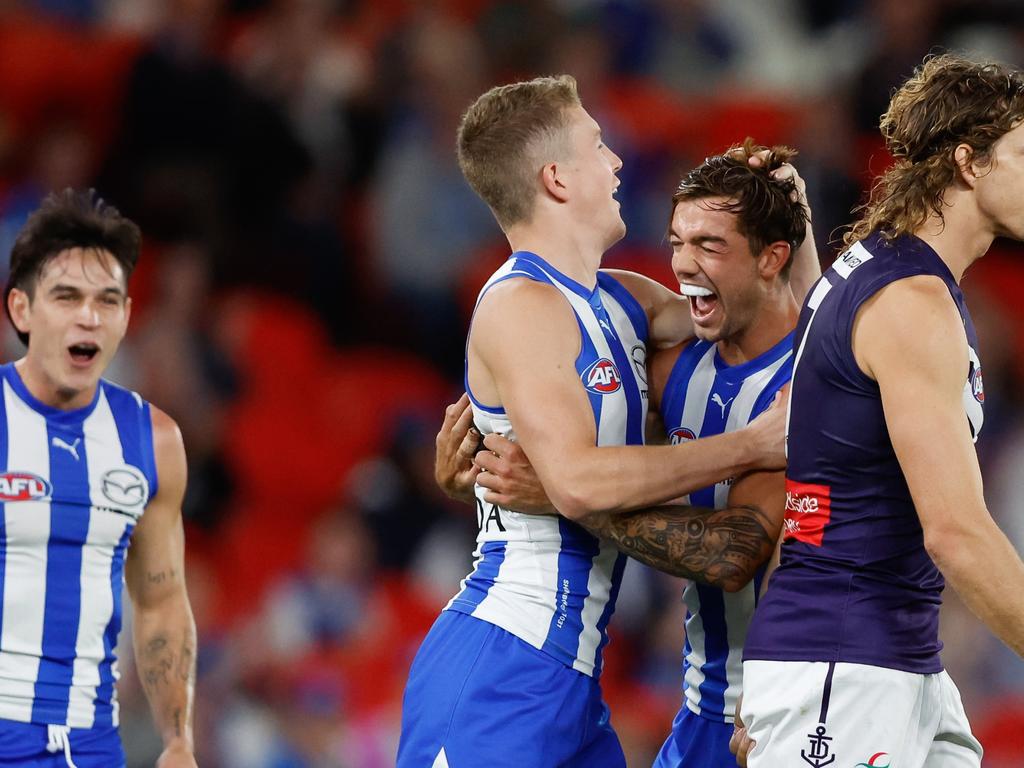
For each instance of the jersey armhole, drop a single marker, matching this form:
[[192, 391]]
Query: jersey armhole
[[636, 314]]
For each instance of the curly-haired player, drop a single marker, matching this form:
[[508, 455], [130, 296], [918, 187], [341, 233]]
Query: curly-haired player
[[884, 494]]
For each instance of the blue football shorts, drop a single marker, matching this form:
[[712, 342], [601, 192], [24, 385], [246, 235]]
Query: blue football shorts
[[479, 696], [27, 745], [696, 742]]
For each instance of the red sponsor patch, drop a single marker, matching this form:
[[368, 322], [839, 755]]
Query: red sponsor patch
[[978, 385], [808, 511], [602, 377], [681, 435], [22, 486]]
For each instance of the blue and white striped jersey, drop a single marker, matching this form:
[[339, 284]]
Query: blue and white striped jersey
[[545, 579], [705, 397], [74, 485]]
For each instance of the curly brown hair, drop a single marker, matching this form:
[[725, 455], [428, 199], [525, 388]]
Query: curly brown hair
[[499, 138], [765, 209], [948, 101]]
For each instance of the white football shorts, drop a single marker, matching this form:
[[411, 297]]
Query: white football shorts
[[822, 714]]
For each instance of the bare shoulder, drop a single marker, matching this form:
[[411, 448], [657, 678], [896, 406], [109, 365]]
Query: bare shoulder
[[522, 306], [166, 433], [909, 323], [169, 451], [649, 293], [909, 298]]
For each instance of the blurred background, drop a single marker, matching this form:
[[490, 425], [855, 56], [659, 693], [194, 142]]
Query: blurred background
[[311, 256]]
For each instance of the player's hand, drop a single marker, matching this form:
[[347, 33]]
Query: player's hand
[[782, 173], [176, 757], [456, 444], [509, 478], [768, 433], [740, 743]]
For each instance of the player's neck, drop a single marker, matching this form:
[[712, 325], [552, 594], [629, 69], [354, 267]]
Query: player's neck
[[570, 252], [777, 318], [960, 237], [49, 392]]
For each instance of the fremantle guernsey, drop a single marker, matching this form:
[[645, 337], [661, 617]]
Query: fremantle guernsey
[[545, 579], [855, 583], [73, 486], [704, 397]]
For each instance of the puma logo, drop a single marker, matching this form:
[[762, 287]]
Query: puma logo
[[72, 448], [717, 400]]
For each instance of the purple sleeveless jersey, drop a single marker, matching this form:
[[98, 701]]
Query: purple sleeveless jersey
[[855, 583]]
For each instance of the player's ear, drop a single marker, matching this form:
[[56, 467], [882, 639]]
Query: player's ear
[[553, 182], [774, 257], [963, 156], [18, 305]]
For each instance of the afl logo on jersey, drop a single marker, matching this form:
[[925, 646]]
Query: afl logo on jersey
[[126, 487], [23, 486], [602, 377], [681, 435], [978, 385]]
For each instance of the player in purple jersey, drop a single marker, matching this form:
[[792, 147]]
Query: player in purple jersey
[[67, 298], [733, 231], [884, 494], [480, 693]]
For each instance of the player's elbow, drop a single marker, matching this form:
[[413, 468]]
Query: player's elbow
[[736, 580], [952, 547], [576, 500]]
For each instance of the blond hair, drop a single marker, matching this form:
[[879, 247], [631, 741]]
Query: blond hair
[[948, 101], [505, 137]]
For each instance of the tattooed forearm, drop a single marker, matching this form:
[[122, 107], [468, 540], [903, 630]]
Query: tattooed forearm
[[721, 547], [162, 668]]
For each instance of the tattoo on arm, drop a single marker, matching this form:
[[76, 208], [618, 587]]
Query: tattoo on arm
[[166, 675], [722, 547]]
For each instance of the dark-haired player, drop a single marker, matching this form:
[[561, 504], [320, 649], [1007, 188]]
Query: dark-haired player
[[508, 675], [87, 469], [733, 231], [884, 494]]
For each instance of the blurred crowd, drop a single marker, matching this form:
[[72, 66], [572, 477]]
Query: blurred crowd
[[311, 256]]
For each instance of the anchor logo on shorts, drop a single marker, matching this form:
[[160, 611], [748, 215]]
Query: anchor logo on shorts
[[819, 755]]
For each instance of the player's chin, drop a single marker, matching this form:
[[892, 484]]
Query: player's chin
[[712, 333], [618, 231]]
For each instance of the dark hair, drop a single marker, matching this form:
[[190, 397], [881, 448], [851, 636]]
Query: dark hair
[[764, 208], [949, 100], [66, 220]]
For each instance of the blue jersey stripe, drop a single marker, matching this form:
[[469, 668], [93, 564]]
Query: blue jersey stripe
[[69, 528], [679, 381], [716, 651], [135, 430], [588, 353], [575, 560], [606, 615], [634, 405], [630, 305], [105, 690], [492, 555]]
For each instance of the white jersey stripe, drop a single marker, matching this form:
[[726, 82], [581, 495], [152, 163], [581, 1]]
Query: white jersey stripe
[[102, 447], [27, 531]]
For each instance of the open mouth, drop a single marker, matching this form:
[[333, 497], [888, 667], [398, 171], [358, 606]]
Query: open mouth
[[83, 353], [702, 300]]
